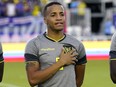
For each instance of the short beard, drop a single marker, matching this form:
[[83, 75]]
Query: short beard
[[55, 30]]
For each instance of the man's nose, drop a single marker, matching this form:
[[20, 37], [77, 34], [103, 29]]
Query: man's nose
[[59, 17]]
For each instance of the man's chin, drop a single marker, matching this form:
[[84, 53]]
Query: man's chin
[[59, 29]]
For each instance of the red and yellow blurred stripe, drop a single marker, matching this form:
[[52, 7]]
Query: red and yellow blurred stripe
[[96, 50]]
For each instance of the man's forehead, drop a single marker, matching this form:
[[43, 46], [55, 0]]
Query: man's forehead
[[55, 8]]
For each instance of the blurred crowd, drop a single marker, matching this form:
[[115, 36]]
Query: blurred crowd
[[20, 20], [92, 19], [18, 8], [13, 8], [84, 20]]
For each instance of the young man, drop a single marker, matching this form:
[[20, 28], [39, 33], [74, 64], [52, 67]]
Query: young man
[[112, 55], [55, 59], [1, 63]]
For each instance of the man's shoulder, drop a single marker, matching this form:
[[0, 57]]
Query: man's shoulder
[[114, 37], [35, 39], [72, 38]]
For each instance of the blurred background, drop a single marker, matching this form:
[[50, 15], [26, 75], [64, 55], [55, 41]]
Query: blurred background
[[91, 21], [21, 20]]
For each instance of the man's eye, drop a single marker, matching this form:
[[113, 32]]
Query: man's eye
[[62, 14], [52, 15]]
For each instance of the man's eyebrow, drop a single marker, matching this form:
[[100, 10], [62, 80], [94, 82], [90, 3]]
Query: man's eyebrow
[[62, 12], [53, 13], [56, 12]]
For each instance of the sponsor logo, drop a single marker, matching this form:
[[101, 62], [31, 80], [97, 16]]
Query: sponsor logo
[[47, 49]]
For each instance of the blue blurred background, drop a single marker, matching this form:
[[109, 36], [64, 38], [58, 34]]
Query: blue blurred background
[[21, 20]]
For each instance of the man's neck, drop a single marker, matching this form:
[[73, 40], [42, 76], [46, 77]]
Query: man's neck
[[55, 35]]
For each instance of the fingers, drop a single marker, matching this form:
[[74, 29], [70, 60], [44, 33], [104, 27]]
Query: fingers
[[73, 51], [74, 59], [73, 62], [68, 57], [74, 55]]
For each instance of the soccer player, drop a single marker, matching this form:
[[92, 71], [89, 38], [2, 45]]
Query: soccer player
[[112, 55], [1, 63], [55, 59]]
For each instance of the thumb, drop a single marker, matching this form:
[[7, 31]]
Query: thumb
[[62, 51]]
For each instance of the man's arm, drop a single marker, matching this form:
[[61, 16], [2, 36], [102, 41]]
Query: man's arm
[[1, 70], [113, 70], [37, 76], [112, 64], [112, 58], [80, 72], [1, 66]]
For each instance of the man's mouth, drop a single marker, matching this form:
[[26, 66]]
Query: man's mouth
[[59, 23]]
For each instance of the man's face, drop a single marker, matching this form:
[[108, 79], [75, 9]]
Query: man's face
[[55, 17]]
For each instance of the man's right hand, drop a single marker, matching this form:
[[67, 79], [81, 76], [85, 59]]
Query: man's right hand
[[68, 58]]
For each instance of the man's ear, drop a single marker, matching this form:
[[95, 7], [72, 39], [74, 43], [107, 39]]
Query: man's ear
[[45, 20]]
